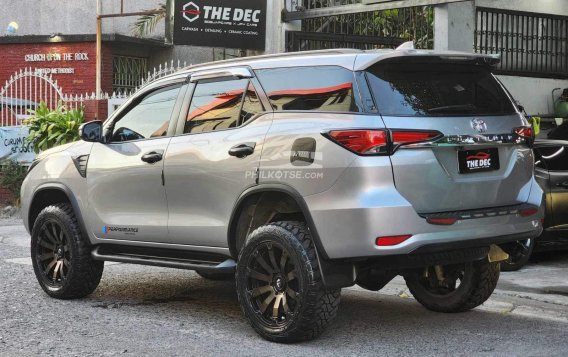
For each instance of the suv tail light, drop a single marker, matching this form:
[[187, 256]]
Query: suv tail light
[[379, 141], [362, 142], [400, 137], [528, 211], [526, 133]]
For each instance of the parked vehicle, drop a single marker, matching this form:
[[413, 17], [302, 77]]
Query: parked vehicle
[[298, 174], [551, 168]]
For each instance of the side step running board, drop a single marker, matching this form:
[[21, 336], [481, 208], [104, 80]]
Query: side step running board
[[226, 266]]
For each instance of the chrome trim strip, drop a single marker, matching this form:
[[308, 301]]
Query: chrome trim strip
[[469, 140], [480, 213], [239, 72]]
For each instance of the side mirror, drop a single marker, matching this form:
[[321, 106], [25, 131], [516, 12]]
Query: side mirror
[[92, 131]]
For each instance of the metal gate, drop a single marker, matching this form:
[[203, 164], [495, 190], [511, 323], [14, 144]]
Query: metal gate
[[23, 92], [307, 41], [364, 30]]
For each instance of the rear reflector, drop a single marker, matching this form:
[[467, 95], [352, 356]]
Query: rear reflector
[[442, 221], [391, 240], [525, 212]]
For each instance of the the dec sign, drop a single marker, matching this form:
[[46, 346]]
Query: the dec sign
[[220, 23]]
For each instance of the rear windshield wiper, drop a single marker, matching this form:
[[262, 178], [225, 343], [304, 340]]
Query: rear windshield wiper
[[452, 108]]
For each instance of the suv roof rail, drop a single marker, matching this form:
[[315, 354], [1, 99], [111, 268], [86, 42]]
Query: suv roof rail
[[335, 51]]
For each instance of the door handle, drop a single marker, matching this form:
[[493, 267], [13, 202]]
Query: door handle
[[562, 184], [152, 157], [242, 150]]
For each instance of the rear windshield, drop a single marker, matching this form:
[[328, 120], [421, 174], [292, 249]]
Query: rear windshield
[[434, 89]]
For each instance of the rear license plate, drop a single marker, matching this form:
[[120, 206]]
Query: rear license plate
[[471, 161]]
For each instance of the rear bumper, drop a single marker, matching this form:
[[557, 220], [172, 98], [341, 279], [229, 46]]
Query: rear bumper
[[472, 243], [349, 220]]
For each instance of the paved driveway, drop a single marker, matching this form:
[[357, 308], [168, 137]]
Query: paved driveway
[[153, 311]]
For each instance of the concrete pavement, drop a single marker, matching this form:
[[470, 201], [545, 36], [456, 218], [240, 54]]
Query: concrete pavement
[[148, 311]]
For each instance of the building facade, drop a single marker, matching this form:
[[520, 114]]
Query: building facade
[[58, 38]]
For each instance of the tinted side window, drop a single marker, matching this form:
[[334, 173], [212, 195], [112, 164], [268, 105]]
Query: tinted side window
[[149, 118], [555, 158], [215, 106], [325, 88], [251, 105], [436, 89]]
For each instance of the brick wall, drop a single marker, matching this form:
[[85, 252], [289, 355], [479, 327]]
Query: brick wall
[[93, 112], [80, 82], [5, 197]]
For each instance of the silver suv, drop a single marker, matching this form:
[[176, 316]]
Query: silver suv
[[297, 175]]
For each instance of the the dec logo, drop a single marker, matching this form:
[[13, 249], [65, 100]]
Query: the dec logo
[[481, 160], [228, 14], [191, 11]]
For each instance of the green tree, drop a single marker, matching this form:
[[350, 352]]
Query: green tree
[[146, 24], [12, 175], [49, 128]]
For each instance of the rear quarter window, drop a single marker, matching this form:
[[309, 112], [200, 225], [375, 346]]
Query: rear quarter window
[[323, 88], [436, 89]]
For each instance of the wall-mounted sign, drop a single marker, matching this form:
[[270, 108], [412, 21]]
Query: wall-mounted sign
[[13, 145], [50, 57], [55, 57], [66, 70], [220, 23]]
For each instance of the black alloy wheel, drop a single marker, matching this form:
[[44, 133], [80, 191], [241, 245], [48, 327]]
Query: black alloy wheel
[[61, 254], [53, 255], [519, 255], [453, 277], [272, 285], [279, 284], [455, 287]]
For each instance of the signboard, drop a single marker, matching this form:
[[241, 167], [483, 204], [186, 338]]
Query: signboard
[[56, 58], [13, 145], [221, 23]]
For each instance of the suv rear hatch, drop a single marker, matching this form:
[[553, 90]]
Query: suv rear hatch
[[480, 159]]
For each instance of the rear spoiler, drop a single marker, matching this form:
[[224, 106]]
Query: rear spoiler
[[406, 51]]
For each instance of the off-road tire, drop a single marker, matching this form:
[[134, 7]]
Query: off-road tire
[[215, 276], [83, 274], [478, 283], [314, 307], [516, 262]]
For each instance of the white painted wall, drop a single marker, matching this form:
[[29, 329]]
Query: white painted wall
[[276, 29], [44, 17], [557, 7], [454, 25], [534, 93]]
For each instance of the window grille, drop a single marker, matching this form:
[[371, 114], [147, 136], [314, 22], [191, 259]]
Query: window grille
[[404, 24], [128, 72], [530, 44]]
